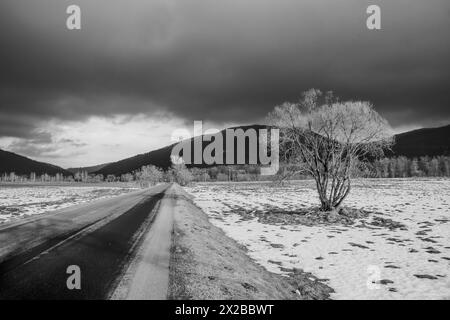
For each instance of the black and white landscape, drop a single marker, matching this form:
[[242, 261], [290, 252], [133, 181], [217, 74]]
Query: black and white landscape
[[349, 101]]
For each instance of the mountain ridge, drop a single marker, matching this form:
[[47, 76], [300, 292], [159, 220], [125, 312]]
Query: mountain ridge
[[21, 165], [89, 169], [423, 142], [411, 144]]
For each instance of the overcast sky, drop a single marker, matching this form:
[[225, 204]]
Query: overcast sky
[[137, 70]]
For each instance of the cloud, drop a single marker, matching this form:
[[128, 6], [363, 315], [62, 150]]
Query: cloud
[[42, 144], [219, 61], [96, 140]]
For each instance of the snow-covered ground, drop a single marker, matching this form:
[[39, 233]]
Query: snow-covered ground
[[360, 261], [17, 202]]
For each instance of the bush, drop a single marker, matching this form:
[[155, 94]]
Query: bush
[[148, 176]]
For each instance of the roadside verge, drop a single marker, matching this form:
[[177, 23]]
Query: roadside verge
[[207, 264]]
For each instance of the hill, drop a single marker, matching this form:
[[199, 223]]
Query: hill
[[20, 165], [161, 157], [417, 143], [423, 142], [89, 170]]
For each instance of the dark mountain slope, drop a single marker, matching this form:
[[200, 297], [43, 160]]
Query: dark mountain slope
[[417, 143], [161, 157], [11, 162], [423, 142], [90, 169]]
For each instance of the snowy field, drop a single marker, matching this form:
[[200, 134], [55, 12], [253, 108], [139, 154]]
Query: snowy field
[[21, 201], [361, 261]]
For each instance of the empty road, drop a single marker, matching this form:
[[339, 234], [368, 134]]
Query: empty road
[[121, 245]]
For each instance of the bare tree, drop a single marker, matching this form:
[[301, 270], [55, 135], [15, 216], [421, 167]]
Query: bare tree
[[327, 139], [180, 174], [148, 175]]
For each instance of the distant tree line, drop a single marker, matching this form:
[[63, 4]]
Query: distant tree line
[[397, 167], [33, 177], [151, 175], [227, 173], [402, 167]]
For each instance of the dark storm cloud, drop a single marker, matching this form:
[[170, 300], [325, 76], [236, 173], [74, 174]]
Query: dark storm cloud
[[219, 60], [42, 144]]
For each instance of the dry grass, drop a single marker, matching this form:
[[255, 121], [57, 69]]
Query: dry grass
[[206, 264]]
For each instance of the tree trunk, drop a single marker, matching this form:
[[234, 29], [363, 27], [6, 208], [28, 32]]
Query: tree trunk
[[334, 201], [326, 206]]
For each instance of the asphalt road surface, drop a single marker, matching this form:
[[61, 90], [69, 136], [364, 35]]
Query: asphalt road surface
[[102, 238]]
